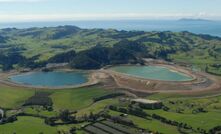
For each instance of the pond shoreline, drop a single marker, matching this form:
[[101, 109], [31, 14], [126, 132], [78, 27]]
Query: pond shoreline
[[6, 81], [180, 72], [202, 82]]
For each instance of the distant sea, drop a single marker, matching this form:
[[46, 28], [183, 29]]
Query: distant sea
[[194, 26]]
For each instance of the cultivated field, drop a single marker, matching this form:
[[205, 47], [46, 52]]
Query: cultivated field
[[99, 109]]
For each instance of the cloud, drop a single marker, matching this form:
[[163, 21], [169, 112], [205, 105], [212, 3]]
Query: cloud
[[100, 16]]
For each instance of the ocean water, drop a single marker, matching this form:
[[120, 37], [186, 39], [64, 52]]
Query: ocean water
[[50, 79], [199, 27], [152, 72]]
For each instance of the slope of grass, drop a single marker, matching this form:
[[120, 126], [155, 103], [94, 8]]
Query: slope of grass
[[75, 99], [201, 120], [39, 110], [11, 97], [150, 124], [97, 107], [27, 125], [183, 110], [72, 99]]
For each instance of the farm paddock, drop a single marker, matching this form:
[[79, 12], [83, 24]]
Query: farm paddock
[[187, 107]]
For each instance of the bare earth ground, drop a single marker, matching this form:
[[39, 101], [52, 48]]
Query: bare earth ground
[[202, 83]]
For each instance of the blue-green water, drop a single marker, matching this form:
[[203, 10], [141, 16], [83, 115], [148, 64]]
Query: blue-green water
[[199, 27], [152, 72], [50, 79]]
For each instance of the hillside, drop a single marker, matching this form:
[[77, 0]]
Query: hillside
[[20, 47]]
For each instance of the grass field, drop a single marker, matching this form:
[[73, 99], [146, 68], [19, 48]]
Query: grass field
[[183, 110], [71, 99], [38, 110], [33, 125], [81, 99], [27, 125], [199, 58], [97, 107], [150, 124], [13, 97], [200, 120], [202, 53], [77, 98]]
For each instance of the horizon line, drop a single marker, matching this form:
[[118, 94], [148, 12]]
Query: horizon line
[[129, 19]]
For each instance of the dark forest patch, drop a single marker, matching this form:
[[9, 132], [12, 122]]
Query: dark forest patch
[[39, 98]]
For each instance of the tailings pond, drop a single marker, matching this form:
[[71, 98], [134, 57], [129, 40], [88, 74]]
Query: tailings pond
[[50, 79], [152, 72]]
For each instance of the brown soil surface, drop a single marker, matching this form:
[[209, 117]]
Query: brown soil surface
[[202, 83]]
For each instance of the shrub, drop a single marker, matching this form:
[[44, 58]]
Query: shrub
[[65, 116], [112, 95]]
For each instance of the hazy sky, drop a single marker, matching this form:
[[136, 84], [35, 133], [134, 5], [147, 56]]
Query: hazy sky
[[50, 10]]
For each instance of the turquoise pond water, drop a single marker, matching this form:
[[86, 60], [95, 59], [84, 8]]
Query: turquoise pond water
[[152, 72], [50, 79]]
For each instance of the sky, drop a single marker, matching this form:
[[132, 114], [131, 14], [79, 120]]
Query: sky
[[69, 10]]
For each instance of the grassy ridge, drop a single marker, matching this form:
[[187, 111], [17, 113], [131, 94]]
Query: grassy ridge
[[202, 51]]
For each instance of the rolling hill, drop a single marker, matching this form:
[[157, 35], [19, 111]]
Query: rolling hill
[[40, 45]]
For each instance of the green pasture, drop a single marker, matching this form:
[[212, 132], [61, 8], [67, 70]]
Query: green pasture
[[149, 124], [27, 125], [74, 99]]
